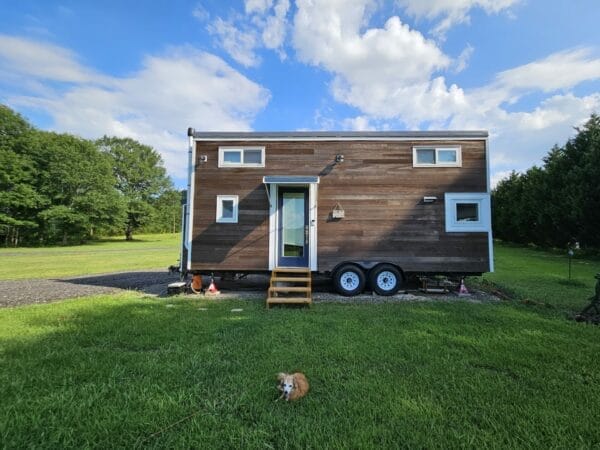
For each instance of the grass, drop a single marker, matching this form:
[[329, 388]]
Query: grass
[[149, 251], [131, 371], [116, 371], [539, 277]]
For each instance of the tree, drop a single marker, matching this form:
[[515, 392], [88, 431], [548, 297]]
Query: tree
[[557, 203], [78, 182], [167, 213], [140, 178], [18, 197]]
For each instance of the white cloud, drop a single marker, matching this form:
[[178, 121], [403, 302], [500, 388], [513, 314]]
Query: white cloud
[[200, 13], [180, 88], [452, 12], [560, 70], [257, 6], [385, 72], [462, 61], [48, 62], [239, 43], [275, 27], [265, 25]]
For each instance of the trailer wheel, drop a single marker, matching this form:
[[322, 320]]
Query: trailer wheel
[[349, 280], [385, 279]]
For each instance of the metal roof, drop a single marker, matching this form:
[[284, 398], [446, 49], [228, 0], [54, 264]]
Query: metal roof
[[334, 135], [290, 179]]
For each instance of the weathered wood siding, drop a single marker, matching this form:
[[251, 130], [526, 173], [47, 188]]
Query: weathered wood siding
[[377, 186]]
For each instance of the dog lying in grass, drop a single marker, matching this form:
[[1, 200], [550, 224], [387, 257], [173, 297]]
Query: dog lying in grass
[[292, 385]]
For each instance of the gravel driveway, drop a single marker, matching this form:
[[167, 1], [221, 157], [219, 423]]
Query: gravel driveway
[[24, 292], [154, 282]]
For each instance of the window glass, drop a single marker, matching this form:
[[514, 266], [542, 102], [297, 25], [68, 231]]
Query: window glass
[[426, 156], [227, 209], [252, 157], [467, 212], [232, 156], [446, 156]]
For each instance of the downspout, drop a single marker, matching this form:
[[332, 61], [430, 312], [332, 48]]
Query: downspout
[[190, 196]]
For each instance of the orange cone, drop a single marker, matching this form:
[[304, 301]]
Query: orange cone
[[463, 289]]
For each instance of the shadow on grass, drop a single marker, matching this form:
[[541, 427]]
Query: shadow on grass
[[123, 372]]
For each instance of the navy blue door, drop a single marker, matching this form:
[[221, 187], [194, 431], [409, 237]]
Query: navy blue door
[[293, 233]]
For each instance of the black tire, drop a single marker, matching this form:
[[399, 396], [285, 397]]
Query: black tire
[[385, 279], [349, 280]]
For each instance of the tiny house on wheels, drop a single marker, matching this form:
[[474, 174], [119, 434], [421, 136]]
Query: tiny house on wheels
[[366, 208]]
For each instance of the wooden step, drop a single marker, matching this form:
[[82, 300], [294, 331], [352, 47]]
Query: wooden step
[[291, 270], [291, 279], [289, 289], [289, 300], [299, 282]]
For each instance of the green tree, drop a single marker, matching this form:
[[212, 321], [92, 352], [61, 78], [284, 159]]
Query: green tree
[[78, 182], [140, 178], [559, 202], [167, 213], [18, 197]]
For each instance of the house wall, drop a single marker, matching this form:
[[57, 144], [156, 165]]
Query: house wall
[[376, 185]]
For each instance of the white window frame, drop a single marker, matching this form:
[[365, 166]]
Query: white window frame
[[482, 200], [241, 150], [437, 149], [220, 218]]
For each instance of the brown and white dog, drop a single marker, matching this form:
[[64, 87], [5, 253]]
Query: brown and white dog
[[292, 385]]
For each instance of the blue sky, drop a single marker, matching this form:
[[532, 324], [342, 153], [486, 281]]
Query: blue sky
[[526, 70]]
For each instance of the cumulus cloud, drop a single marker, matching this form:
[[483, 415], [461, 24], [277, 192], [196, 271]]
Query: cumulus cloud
[[180, 88]]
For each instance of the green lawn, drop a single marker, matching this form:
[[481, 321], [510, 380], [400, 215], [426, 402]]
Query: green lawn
[[136, 371], [540, 277], [149, 251]]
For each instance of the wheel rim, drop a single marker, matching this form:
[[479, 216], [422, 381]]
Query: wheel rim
[[386, 280], [349, 281]]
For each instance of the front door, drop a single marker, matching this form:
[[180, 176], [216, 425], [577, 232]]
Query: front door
[[293, 232]]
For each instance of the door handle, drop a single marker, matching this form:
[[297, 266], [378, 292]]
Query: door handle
[[305, 234]]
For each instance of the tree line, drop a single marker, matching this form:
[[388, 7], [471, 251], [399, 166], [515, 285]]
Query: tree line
[[557, 204], [60, 188]]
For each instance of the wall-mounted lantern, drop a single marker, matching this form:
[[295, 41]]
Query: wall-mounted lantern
[[203, 158], [337, 212], [339, 158]]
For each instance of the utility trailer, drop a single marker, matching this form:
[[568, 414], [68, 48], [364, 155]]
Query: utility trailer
[[366, 208]]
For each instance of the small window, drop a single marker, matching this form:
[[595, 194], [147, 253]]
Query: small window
[[467, 212], [241, 157], [437, 157], [227, 208]]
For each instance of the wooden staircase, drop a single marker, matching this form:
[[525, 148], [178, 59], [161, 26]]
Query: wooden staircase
[[290, 285]]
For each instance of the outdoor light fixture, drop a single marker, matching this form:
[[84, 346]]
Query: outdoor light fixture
[[339, 158], [203, 158], [429, 199]]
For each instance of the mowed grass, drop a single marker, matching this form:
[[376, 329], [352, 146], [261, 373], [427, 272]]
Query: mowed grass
[[541, 278], [131, 371], [150, 251]]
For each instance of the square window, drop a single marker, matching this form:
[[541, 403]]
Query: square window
[[232, 156], [446, 156], [467, 212], [426, 156], [252, 157], [227, 208]]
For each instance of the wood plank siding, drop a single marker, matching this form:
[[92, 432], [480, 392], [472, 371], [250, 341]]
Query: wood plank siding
[[376, 185]]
